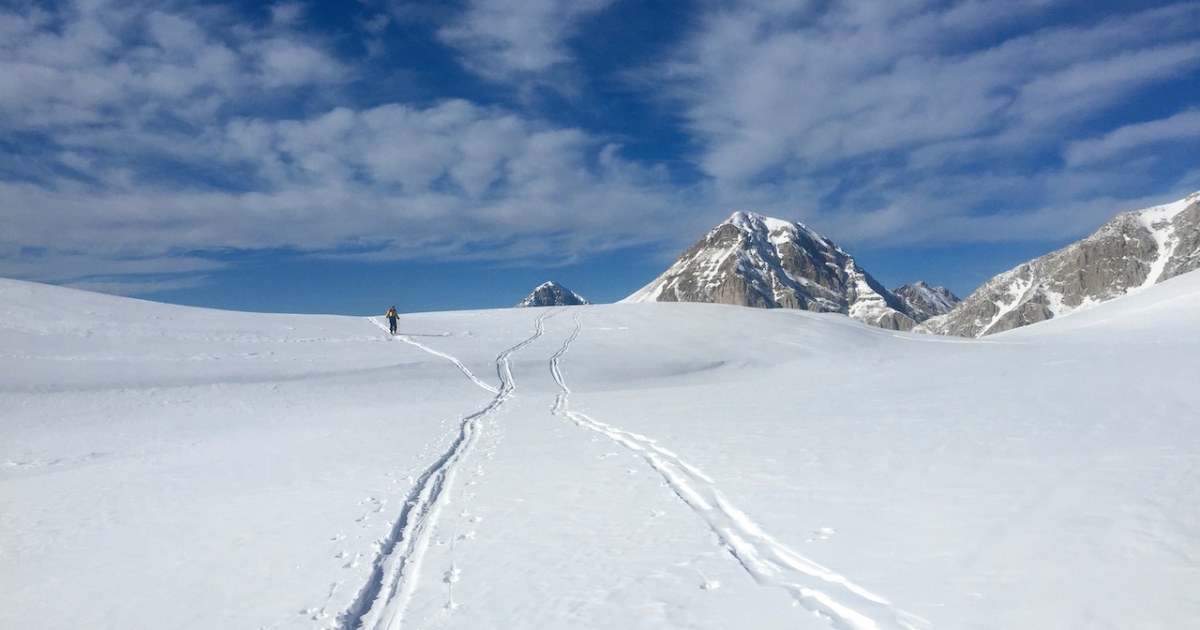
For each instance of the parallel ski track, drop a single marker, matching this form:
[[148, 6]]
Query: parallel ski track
[[560, 402], [381, 603], [770, 562]]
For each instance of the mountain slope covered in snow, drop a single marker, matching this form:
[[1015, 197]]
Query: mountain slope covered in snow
[[752, 260], [924, 301], [1129, 253], [552, 294], [655, 465]]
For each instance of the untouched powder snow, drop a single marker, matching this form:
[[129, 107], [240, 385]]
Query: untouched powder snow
[[621, 466]]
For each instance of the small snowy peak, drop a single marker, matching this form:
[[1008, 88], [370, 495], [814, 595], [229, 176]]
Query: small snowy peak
[[552, 294], [757, 261], [1133, 251], [927, 301]]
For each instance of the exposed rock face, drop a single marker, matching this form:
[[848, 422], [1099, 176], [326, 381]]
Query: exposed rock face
[[925, 301], [552, 294], [1130, 252], [751, 260]]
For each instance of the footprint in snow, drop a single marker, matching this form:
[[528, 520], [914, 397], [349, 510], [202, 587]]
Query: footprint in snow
[[822, 534]]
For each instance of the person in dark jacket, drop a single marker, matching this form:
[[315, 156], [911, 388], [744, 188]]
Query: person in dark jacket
[[392, 317]]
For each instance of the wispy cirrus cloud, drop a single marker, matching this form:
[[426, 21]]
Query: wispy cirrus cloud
[[919, 111], [120, 63], [1181, 129], [149, 132], [519, 41]]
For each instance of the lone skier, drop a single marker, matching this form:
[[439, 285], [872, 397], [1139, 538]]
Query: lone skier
[[392, 317]]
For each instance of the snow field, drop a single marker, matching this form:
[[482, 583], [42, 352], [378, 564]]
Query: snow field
[[623, 466]]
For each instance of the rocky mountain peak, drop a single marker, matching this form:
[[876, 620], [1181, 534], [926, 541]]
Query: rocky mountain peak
[[552, 294], [758, 261], [925, 301]]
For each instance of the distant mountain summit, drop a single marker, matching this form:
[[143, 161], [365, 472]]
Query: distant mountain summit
[[552, 294], [752, 260], [1132, 251], [925, 301]]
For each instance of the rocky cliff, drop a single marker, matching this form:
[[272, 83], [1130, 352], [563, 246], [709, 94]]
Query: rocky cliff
[[752, 260], [925, 301], [1132, 251]]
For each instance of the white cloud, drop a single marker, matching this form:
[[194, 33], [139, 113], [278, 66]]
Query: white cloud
[[517, 40], [452, 179], [117, 63], [284, 62], [862, 81], [882, 110], [142, 160], [1183, 127], [156, 131]]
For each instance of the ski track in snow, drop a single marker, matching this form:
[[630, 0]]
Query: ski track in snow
[[770, 562], [408, 339], [382, 601]]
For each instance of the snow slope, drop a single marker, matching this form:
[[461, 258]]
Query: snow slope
[[621, 466]]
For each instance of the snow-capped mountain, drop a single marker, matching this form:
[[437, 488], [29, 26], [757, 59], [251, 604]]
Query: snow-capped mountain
[[1132, 251], [925, 301], [752, 260], [552, 294]]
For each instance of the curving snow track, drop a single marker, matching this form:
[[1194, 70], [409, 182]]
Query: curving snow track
[[381, 602], [770, 562]]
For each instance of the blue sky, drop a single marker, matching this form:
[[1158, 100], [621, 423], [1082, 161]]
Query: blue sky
[[341, 156]]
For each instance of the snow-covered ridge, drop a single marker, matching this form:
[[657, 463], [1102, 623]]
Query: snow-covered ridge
[[1133, 251], [1160, 222], [927, 301]]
